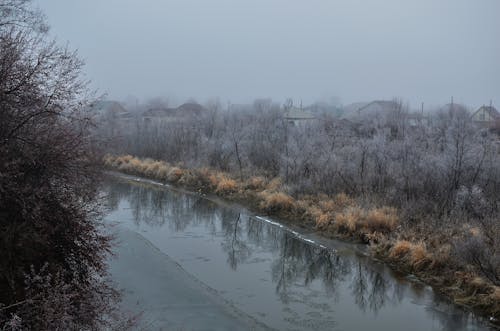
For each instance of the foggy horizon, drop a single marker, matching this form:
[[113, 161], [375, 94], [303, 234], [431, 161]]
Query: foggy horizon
[[349, 51]]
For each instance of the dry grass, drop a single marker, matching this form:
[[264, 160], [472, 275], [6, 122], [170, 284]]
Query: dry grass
[[275, 202], [415, 254], [162, 172], [275, 185], [400, 249], [348, 220], [226, 186], [175, 174], [383, 219], [256, 183], [419, 257], [323, 221]]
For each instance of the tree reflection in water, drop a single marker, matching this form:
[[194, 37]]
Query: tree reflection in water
[[295, 262]]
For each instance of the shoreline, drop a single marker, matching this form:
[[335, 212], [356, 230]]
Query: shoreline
[[464, 289]]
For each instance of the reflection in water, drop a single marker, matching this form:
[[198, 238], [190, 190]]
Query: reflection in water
[[295, 264]]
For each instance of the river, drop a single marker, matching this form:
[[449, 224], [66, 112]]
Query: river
[[191, 263]]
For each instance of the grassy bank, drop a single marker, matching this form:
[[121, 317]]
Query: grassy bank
[[429, 256]]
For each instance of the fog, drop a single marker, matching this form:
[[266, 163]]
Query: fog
[[420, 51]]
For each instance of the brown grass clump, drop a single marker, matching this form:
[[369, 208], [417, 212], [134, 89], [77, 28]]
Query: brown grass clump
[[348, 220], [415, 254], [213, 179], [273, 202], [343, 199], [419, 257], [226, 186], [162, 171], [383, 219], [328, 205], [150, 168], [400, 249], [256, 183], [323, 221], [125, 167], [275, 185], [126, 158], [174, 174]]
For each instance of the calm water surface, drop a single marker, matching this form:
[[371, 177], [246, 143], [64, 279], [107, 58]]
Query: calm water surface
[[273, 274]]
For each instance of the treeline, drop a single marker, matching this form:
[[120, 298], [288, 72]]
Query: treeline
[[440, 171], [441, 165]]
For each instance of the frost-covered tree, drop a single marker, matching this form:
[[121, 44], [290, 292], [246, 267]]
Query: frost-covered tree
[[52, 247]]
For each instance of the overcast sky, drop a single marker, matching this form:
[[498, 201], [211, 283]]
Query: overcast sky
[[357, 50]]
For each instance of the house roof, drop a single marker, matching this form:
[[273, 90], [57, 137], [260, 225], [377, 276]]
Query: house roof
[[492, 111], [298, 114], [158, 112], [375, 107], [380, 104], [190, 108], [103, 107], [186, 109]]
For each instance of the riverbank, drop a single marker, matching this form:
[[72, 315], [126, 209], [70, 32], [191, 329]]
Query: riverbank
[[338, 216]]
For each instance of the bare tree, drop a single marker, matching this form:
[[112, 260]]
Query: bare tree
[[49, 215]]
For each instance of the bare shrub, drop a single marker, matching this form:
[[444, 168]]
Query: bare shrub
[[482, 253]]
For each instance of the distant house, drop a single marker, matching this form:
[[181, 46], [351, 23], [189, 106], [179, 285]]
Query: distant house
[[111, 116], [184, 111], [486, 116], [190, 109], [104, 107], [108, 109], [370, 109], [297, 116]]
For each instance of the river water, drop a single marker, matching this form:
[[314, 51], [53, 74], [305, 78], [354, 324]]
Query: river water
[[273, 276]]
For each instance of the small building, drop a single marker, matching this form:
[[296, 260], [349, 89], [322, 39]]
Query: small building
[[164, 114], [108, 109], [486, 116], [370, 110], [297, 116]]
